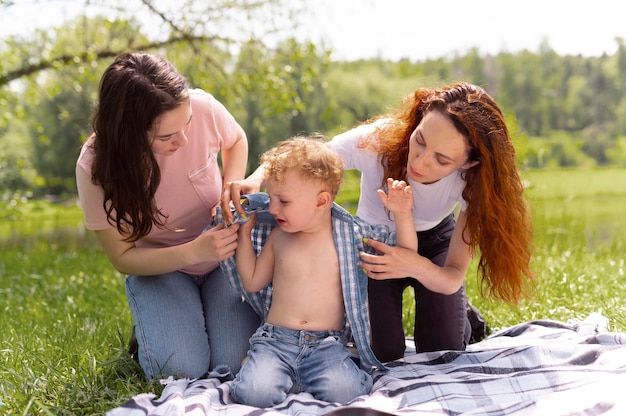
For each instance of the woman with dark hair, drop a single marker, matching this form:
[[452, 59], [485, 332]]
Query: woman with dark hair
[[149, 182], [453, 147]]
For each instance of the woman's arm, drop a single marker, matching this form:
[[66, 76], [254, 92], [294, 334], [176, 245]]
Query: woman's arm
[[398, 262], [216, 244], [235, 159]]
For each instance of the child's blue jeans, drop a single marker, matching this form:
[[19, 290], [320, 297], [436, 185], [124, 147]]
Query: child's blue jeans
[[283, 361]]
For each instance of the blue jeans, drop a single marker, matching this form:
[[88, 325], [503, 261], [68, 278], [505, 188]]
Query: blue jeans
[[283, 361], [186, 325]]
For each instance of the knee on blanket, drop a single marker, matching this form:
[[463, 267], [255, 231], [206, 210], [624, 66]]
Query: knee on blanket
[[337, 387]]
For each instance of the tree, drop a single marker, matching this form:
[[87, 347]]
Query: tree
[[53, 73], [281, 93], [226, 23]]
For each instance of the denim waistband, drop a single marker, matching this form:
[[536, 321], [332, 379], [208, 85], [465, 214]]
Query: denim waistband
[[300, 337]]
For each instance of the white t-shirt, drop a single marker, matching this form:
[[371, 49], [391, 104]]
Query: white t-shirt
[[431, 203], [191, 179]]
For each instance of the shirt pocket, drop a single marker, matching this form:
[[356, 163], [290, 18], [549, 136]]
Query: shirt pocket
[[207, 182]]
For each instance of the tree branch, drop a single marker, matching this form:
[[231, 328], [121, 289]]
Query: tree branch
[[85, 56], [149, 5]]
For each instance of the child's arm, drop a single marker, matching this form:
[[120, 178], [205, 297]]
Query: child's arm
[[255, 272], [399, 201]]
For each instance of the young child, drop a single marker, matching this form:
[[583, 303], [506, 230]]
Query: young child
[[301, 347]]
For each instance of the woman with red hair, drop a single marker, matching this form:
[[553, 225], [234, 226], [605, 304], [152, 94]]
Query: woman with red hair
[[453, 147]]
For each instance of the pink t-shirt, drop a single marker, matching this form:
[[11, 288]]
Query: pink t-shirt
[[191, 180]]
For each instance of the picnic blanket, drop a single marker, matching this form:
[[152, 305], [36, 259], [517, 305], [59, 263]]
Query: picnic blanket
[[534, 368]]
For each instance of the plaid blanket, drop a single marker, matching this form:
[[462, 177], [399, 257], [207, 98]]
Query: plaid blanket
[[537, 368]]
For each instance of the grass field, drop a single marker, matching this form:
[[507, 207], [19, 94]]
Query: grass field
[[65, 322]]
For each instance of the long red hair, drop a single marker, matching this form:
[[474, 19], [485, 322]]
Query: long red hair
[[499, 225]]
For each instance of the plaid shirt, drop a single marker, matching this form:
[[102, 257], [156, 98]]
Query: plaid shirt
[[349, 232]]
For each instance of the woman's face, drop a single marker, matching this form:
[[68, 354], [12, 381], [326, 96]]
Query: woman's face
[[436, 149], [169, 132]]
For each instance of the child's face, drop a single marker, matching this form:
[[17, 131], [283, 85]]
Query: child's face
[[294, 203]]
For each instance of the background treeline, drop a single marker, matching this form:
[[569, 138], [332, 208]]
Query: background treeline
[[564, 111]]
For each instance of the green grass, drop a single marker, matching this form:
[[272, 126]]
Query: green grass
[[65, 321], [579, 246], [64, 330]]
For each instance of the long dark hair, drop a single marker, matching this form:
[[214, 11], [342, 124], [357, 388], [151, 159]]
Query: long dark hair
[[134, 90]]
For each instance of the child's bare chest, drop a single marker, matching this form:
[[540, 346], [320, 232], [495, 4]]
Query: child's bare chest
[[307, 255]]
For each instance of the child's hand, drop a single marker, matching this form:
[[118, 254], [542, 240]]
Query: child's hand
[[400, 197], [246, 228]]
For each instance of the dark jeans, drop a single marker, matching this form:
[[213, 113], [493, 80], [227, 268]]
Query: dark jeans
[[441, 321]]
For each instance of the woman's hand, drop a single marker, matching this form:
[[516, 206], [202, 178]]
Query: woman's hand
[[216, 244], [392, 263], [234, 190], [398, 262]]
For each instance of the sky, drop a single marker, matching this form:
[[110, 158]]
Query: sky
[[418, 29]]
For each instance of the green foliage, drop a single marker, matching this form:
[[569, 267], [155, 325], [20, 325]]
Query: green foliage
[[361, 90], [348, 197], [52, 75], [617, 154], [29, 223], [563, 111], [277, 93], [15, 183], [55, 107], [558, 150], [14, 174]]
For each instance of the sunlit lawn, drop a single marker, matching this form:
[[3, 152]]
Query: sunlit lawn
[[65, 322]]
